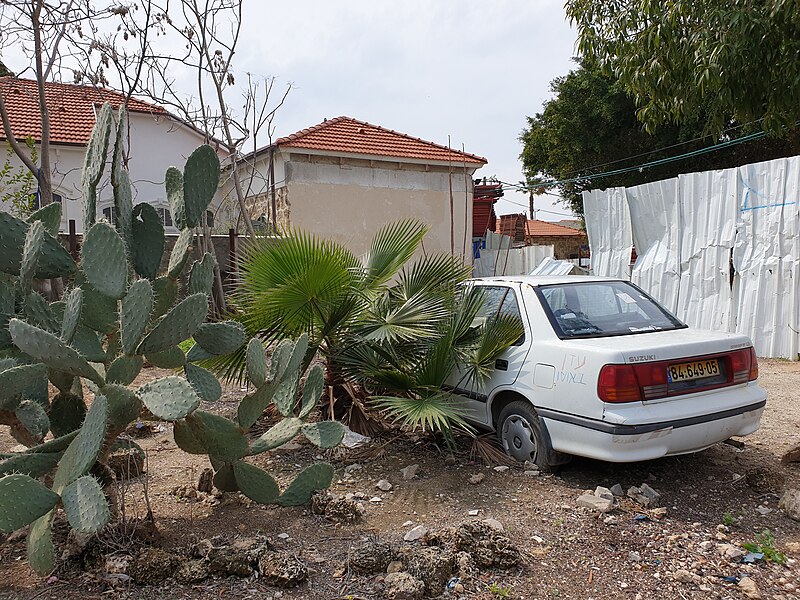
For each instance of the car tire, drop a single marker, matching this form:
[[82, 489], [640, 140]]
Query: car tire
[[523, 436]]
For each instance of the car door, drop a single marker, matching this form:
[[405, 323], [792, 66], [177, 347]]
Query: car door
[[500, 299]]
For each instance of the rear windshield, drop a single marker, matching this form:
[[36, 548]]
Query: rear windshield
[[603, 308]]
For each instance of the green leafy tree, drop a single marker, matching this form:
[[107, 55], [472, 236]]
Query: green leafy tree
[[590, 127], [734, 59], [17, 183]]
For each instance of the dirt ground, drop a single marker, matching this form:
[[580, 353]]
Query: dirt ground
[[723, 495]]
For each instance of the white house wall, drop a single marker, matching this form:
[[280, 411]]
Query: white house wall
[[703, 223], [156, 143]]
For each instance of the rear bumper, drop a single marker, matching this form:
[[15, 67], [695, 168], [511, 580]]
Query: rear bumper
[[631, 442]]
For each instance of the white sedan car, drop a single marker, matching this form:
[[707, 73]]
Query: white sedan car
[[604, 371]]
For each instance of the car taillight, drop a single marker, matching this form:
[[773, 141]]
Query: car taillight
[[753, 364], [741, 365], [617, 383]]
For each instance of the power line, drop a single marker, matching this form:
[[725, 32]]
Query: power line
[[647, 165]]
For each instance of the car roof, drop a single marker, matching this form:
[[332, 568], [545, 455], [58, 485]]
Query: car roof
[[537, 280]]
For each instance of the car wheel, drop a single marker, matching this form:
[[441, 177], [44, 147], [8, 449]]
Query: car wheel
[[522, 435]]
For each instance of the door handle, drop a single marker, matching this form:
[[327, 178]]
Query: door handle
[[501, 364]]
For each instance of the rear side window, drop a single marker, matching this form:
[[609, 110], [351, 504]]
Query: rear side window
[[501, 300], [603, 308]]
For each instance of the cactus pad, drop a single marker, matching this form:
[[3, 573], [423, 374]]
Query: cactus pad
[[88, 345], [82, 452], [196, 352], [169, 398], [203, 382], [174, 184], [180, 253], [200, 183], [312, 391], [282, 432], [316, 477], [220, 338], [50, 350], [104, 261], [35, 465], [201, 277], [148, 240], [256, 362], [99, 312], [285, 397], [85, 505], [31, 251], [123, 205], [67, 412], [325, 434], [165, 291], [94, 163], [221, 438], [225, 479], [22, 501], [252, 405], [50, 216], [38, 312], [178, 324], [185, 439], [124, 405], [41, 553], [33, 417], [280, 360], [135, 314], [124, 369], [22, 380], [54, 260], [256, 484], [171, 358], [72, 314]]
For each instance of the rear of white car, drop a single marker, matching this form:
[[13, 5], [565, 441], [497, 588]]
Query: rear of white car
[[606, 372]]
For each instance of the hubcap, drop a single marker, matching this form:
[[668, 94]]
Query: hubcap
[[518, 438]]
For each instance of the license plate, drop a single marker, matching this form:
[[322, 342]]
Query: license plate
[[693, 370]]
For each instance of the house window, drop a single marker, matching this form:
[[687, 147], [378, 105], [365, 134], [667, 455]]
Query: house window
[[110, 213], [166, 216], [37, 204], [210, 219]]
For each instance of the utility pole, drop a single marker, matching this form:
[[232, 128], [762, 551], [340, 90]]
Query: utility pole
[[530, 199]]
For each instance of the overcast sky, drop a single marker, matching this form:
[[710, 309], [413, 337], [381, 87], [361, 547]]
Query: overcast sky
[[469, 69]]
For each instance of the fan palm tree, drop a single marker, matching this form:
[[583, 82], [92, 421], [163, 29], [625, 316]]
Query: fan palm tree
[[392, 325]]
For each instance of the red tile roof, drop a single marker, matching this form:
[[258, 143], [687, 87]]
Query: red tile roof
[[350, 136], [536, 228], [72, 109]]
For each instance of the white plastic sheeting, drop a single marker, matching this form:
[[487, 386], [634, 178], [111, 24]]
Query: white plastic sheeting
[[610, 236], [499, 258], [551, 266], [690, 230]]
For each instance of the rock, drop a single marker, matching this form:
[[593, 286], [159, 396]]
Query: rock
[[603, 492], [764, 481], [749, 588], [763, 510], [403, 586], [634, 556], [644, 495], [282, 569], [394, 567], [477, 478], [790, 503], [415, 534], [352, 439], [731, 552], [532, 473], [466, 569], [684, 576], [487, 546], [597, 503], [350, 469], [494, 524], [450, 460], [229, 561], [376, 499], [433, 566], [127, 463], [409, 472], [791, 456], [617, 490], [383, 485], [658, 513], [205, 483], [369, 557], [283, 536], [117, 564], [793, 547], [474, 512], [501, 468], [192, 571], [337, 509], [152, 566]]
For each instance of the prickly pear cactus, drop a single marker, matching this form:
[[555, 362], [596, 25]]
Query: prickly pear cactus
[[118, 311]]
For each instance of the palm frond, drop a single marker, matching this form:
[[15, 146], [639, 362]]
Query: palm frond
[[432, 272], [410, 319], [391, 248], [374, 366], [434, 411], [496, 336]]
